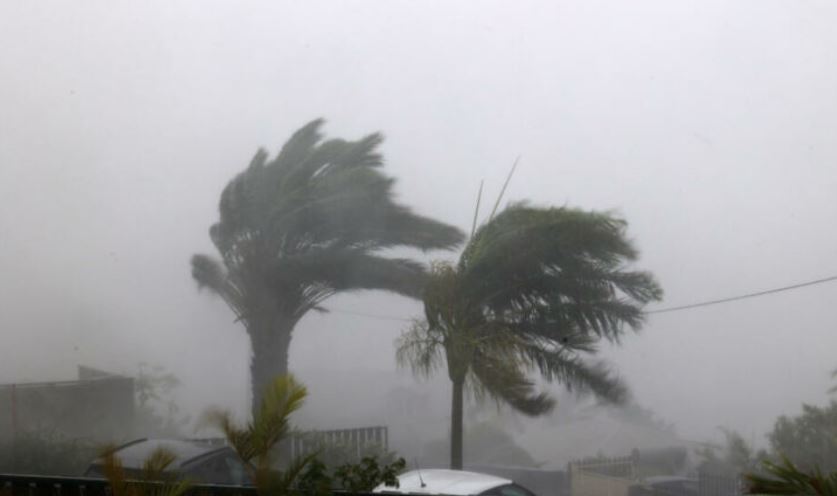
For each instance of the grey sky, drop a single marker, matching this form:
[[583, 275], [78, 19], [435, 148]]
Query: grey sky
[[708, 124]]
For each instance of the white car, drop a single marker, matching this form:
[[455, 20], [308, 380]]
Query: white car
[[453, 483]]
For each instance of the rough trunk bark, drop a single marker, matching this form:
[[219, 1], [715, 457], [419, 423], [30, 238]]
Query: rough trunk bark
[[270, 338], [456, 426]]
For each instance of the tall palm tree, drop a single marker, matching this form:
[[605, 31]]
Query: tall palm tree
[[534, 291], [306, 225]]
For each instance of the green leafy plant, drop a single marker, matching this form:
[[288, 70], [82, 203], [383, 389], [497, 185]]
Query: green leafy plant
[[256, 442], [368, 474], [785, 478], [363, 476], [153, 480]]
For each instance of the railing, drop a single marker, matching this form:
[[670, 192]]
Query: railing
[[356, 440], [719, 485], [37, 485]]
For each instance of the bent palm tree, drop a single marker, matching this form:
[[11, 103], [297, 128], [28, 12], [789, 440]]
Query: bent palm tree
[[308, 224], [534, 290]]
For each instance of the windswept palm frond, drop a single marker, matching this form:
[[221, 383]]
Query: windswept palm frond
[[256, 442], [420, 349], [534, 290], [272, 424], [505, 382], [567, 367], [154, 479], [785, 478], [311, 222]]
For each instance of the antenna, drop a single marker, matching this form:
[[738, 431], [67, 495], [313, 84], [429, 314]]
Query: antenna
[[477, 210], [505, 185], [418, 471]]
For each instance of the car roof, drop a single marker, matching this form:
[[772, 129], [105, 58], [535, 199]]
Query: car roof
[[132, 455], [663, 479], [441, 481]]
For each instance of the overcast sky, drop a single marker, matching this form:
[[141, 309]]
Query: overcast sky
[[709, 125]]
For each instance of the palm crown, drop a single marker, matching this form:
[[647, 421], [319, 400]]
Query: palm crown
[[305, 225], [534, 290]]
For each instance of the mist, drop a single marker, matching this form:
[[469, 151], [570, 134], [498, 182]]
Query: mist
[[706, 125]]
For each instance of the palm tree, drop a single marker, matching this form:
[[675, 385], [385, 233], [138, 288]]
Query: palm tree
[[308, 224], [534, 290]]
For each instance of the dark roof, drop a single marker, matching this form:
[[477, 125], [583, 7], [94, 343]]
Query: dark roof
[[133, 454]]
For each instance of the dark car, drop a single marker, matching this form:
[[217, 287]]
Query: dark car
[[665, 485], [198, 461]]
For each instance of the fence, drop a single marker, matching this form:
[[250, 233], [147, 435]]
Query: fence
[[602, 476], [719, 485], [31, 485], [356, 441]]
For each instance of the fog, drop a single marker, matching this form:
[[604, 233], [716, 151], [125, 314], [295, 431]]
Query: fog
[[707, 125]]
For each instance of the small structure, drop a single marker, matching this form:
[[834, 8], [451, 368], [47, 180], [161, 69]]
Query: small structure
[[98, 406]]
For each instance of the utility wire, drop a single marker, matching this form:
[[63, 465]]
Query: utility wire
[[659, 310], [744, 296]]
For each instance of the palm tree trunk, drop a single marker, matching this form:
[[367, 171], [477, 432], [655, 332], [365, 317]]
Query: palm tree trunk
[[270, 339], [456, 425]]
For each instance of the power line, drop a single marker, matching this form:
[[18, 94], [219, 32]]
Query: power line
[[368, 315], [655, 311], [744, 296]]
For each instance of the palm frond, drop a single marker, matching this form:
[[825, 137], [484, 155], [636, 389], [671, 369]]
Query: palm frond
[[282, 398], [785, 478], [568, 368], [504, 381], [421, 349]]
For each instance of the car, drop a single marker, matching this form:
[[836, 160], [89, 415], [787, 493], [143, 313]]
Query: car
[[665, 485], [201, 462], [453, 483]]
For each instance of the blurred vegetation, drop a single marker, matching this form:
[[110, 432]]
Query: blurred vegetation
[[808, 439], [786, 478], [735, 457], [363, 476], [156, 413], [154, 480]]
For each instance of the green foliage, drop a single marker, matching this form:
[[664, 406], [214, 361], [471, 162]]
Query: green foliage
[[45, 452], [786, 478], [255, 442], [736, 457], [363, 476], [368, 474], [535, 290], [809, 439], [157, 414], [154, 480], [308, 224]]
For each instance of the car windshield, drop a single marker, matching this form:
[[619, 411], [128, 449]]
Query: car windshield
[[582, 247]]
